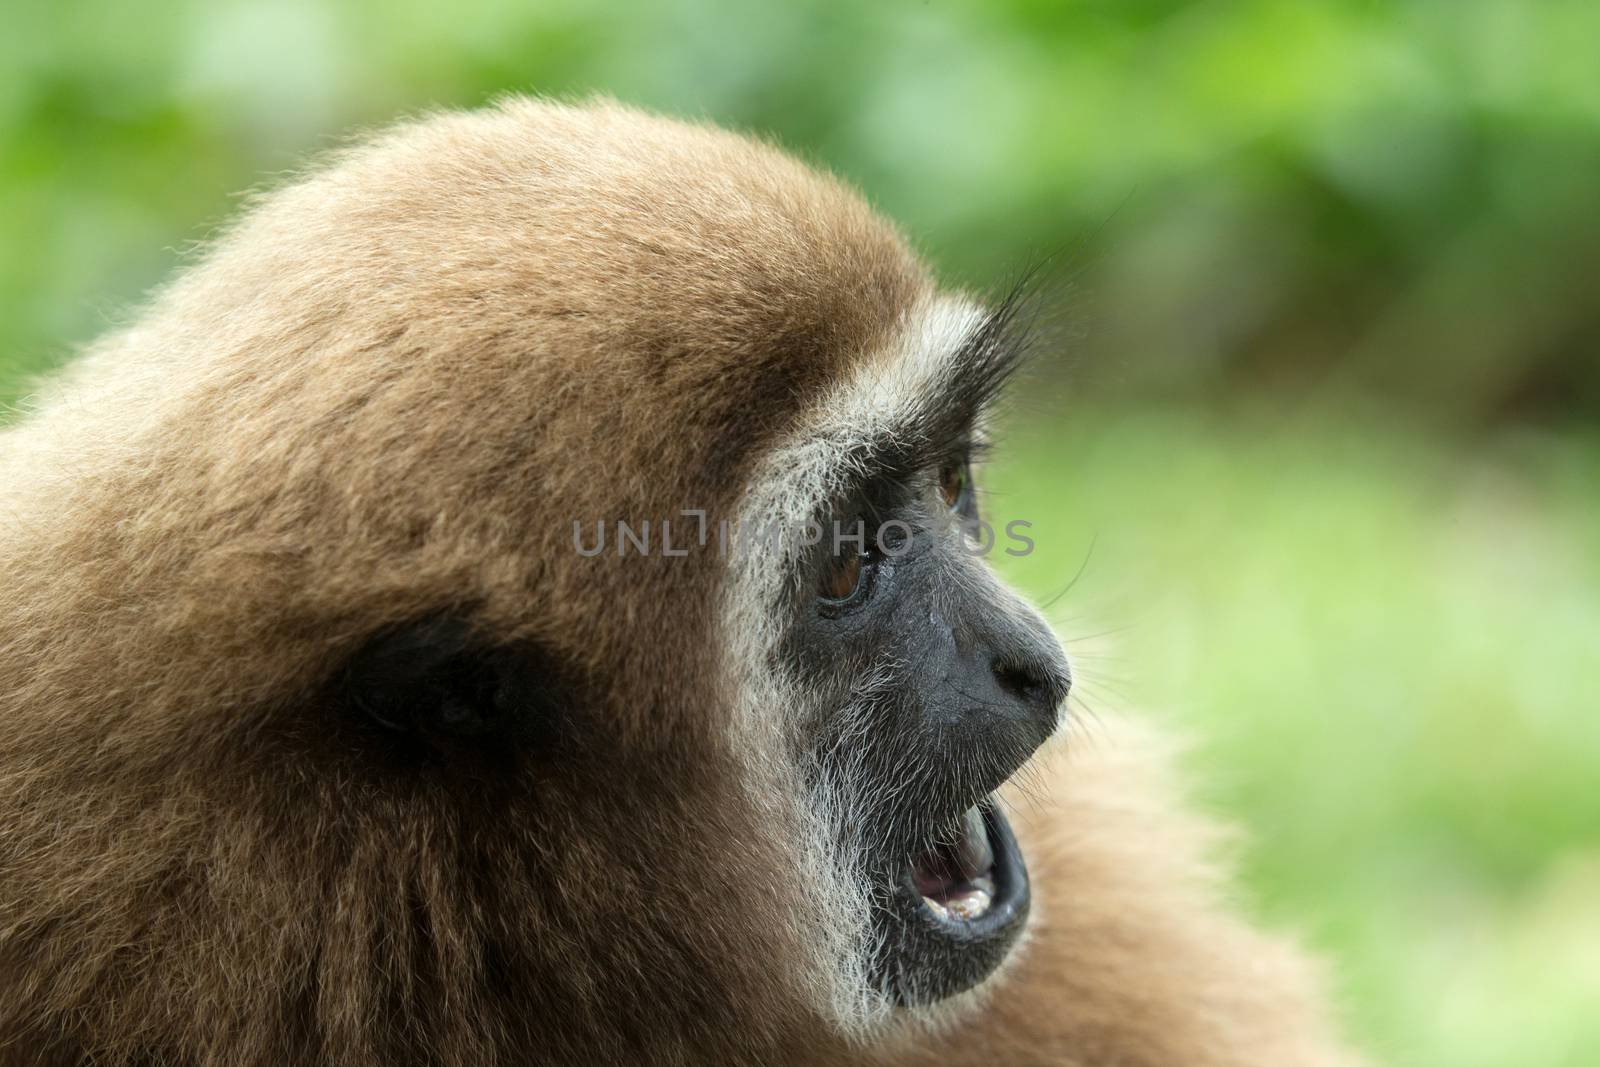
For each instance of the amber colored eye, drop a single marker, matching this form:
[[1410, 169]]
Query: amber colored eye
[[842, 576], [953, 484]]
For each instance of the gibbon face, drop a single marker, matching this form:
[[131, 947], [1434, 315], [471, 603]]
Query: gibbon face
[[920, 684], [328, 733]]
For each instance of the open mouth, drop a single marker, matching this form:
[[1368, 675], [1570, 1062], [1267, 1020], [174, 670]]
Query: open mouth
[[956, 879], [956, 909], [974, 882]]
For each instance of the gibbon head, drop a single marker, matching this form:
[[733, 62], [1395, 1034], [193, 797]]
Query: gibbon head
[[514, 593]]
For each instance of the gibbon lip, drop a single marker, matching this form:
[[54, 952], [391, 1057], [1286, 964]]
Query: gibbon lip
[[953, 911]]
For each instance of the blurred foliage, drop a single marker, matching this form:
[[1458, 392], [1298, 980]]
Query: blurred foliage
[[1329, 274], [1377, 641], [1323, 198]]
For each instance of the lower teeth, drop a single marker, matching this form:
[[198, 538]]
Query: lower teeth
[[964, 906]]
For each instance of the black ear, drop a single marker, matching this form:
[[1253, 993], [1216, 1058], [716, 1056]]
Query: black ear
[[440, 680]]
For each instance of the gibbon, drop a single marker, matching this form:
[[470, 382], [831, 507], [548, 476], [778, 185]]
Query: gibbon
[[330, 733]]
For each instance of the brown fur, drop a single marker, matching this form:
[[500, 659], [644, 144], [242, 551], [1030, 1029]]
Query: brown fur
[[385, 395]]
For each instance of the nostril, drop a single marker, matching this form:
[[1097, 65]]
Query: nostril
[[1033, 684]]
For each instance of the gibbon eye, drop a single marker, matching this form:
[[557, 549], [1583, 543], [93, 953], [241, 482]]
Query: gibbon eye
[[954, 482], [842, 575]]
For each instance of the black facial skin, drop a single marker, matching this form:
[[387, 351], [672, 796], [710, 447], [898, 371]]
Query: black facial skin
[[974, 685]]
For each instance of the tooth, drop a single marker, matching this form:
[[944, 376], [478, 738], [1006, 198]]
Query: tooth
[[976, 856], [973, 820], [970, 905]]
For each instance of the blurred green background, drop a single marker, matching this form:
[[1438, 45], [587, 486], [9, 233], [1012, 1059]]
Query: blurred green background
[[1320, 433]]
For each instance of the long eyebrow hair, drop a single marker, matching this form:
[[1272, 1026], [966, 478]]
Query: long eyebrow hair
[[916, 405], [940, 426]]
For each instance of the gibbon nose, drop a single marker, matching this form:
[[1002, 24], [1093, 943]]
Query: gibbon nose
[[1012, 670], [1033, 671], [1039, 683], [1029, 667]]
